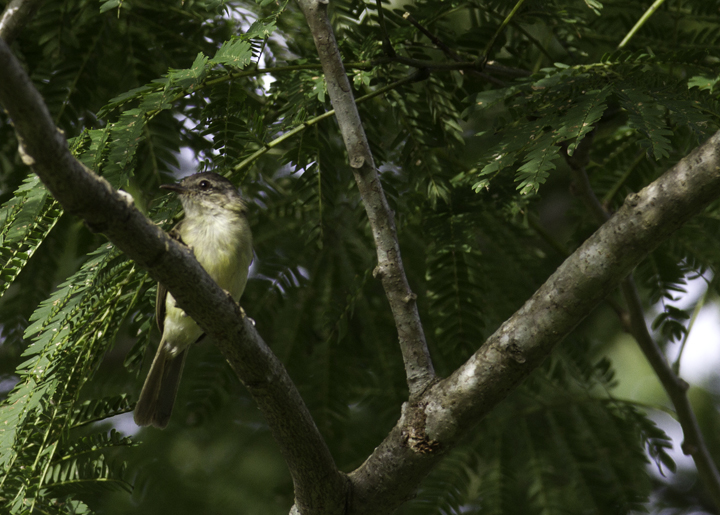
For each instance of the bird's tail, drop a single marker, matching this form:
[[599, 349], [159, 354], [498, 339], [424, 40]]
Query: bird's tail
[[157, 397]]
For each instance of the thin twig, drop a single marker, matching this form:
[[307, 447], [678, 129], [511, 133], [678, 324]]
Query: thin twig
[[502, 26], [473, 67], [693, 443], [386, 45], [525, 33], [313, 121], [644, 18], [620, 182], [476, 67], [436, 41], [508, 71], [359, 65]]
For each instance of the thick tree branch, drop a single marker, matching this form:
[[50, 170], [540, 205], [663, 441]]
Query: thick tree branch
[[675, 387], [15, 16], [319, 486], [449, 409], [418, 366]]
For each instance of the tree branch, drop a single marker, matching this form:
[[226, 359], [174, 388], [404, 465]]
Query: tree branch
[[319, 486], [475, 68], [433, 424], [675, 387], [418, 365], [15, 16]]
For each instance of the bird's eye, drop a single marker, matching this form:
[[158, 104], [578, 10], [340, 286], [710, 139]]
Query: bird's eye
[[204, 185]]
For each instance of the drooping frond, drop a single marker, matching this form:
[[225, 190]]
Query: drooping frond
[[26, 221], [70, 332]]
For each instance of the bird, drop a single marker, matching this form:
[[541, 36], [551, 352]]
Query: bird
[[217, 230]]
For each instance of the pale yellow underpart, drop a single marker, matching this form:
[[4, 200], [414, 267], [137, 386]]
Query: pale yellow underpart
[[222, 244]]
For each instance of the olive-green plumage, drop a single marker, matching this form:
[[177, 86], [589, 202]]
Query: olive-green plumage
[[216, 228]]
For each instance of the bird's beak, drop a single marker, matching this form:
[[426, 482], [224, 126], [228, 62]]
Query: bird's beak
[[173, 187]]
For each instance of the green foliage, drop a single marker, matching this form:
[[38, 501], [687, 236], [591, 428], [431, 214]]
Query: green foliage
[[566, 103], [27, 219], [474, 165], [69, 333]]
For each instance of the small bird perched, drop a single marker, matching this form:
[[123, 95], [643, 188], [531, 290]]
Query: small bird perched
[[215, 227]]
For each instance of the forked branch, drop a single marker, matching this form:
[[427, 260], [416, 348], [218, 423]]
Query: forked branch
[[449, 409], [675, 387]]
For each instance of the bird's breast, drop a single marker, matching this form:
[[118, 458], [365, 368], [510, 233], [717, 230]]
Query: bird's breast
[[222, 244]]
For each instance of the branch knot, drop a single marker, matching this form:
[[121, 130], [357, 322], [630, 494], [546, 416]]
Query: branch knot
[[514, 351], [414, 434], [411, 297]]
